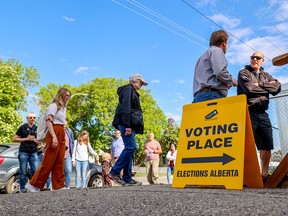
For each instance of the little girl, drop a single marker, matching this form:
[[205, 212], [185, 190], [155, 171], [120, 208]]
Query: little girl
[[106, 166]]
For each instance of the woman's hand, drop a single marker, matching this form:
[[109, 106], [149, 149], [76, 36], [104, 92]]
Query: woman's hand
[[54, 142], [73, 163]]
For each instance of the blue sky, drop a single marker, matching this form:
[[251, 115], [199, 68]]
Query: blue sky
[[75, 41]]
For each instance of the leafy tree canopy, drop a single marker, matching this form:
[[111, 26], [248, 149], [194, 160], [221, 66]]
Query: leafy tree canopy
[[95, 111], [15, 79]]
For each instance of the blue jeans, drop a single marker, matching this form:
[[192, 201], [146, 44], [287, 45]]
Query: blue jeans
[[126, 157], [81, 169], [25, 158], [68, 170], [170, 170], [204, 96]]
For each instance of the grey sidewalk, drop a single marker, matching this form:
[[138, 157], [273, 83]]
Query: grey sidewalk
[[143, 179], [147, 200]]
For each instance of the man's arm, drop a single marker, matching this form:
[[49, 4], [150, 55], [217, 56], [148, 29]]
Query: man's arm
[[273, 86], [17, 138]]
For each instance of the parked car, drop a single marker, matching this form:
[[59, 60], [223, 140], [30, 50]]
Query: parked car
[[9, 171], [3, 147]]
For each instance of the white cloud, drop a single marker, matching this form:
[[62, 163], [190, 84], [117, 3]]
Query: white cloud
[[180, 81], [82, 70], [283, 8], [69, 19], [206, 2], [85, 69], [155, 81], [225, 22], [282, 79], [283, 28]]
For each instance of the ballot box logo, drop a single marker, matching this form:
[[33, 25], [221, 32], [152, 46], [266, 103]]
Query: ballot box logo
[[211, 114]]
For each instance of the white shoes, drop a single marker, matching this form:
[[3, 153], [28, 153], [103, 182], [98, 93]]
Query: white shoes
[[31, 188], [64, 188]]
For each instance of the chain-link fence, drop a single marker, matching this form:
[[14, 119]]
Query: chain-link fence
[[278, 113]]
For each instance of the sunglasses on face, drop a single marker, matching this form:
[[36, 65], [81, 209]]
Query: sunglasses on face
[[32, 117], [257, 57]]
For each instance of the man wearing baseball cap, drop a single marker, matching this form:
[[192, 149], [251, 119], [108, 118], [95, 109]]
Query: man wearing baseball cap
[[129, 120]]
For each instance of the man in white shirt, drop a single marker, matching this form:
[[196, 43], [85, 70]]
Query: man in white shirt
[[117, 146]]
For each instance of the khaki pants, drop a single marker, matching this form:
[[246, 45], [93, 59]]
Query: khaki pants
[[152, 171]]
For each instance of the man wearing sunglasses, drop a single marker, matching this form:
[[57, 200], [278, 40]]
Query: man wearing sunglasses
[[26, 135], [257, 85]]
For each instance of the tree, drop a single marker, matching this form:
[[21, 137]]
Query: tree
[[170, 135], [95, 112], [15, 80]]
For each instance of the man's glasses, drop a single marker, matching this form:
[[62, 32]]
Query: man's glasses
[[32, 117], [257, 57]]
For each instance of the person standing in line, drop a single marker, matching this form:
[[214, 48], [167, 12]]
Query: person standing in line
[[26, 135], [211, 78], [257, 84], [128, 119], [117, 146], [152, 150], [53, 159], [171, 157], [69, 140], [80, 158]]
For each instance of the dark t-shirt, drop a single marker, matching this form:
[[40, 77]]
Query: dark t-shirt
[[23, 132]]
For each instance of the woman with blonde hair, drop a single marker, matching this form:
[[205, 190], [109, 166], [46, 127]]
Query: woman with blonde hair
[[80, 157], [53, 159]]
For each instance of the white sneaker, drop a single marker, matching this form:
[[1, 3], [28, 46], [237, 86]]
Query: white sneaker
[[31, 188], [64, 188]]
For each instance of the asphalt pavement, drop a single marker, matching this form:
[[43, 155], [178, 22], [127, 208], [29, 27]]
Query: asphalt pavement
[[146, 200]]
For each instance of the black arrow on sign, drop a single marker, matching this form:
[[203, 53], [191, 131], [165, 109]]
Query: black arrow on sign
[[224, 159]]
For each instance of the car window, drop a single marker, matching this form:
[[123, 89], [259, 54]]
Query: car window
[[3, 148]]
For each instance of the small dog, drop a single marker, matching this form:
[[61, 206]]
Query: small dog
[[106, 166]]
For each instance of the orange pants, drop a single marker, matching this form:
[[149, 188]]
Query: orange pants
[[53, 160]]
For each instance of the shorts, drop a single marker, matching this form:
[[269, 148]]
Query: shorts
[[262, 130]]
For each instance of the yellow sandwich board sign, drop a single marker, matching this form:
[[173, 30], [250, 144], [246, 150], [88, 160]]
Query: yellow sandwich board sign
[[216, 146]]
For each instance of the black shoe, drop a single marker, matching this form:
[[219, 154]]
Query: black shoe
[[133, 183], [117, 179]]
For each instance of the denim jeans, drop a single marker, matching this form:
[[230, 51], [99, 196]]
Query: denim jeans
[[125, 159], [170, 171], [25, 158], [81, 169], [204, 96], [68, 170]]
